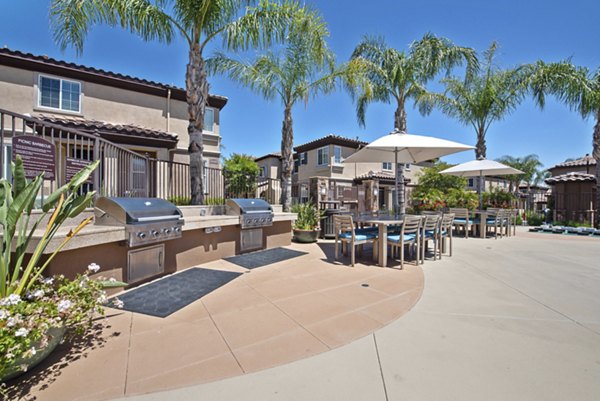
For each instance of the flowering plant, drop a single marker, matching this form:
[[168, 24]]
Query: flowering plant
[[56, 302]]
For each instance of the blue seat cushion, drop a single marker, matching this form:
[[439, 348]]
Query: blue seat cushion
[[358, 237], [367, 230], [429, 233], [460, 221], [396, 238]]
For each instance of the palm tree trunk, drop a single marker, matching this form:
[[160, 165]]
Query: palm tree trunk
[[287, 159], [197, 96], [596, 156], [480, 148], [400, 117], [400, 124]]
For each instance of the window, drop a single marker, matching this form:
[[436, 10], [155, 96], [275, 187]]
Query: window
[[340, 191], [304, 158], [303, 193], [209, 119], [407, 166], [387, 166], [59, 94], [263, 171], [323, 156], [337, 155], [296, 165], [470, 182]]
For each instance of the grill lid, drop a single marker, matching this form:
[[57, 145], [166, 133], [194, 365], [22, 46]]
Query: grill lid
[[251, 205], [138, 210]]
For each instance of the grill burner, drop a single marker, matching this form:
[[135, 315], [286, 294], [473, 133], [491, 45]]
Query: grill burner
[[146, 220], [254, 213]]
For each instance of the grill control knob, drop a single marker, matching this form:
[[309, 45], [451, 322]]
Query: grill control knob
[[177, 229], [141, 235], [166, 231], [155, 233]]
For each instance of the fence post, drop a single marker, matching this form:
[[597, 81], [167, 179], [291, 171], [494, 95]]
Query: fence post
[[98, 169]]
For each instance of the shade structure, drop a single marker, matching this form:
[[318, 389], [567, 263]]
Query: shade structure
[[400, 147], [480, 168]]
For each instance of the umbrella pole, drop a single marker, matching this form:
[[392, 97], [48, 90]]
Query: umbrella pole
[[480, 188], [396, 203]]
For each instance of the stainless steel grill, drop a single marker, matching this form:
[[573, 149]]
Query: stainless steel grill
[[146, 220], [254, 213]]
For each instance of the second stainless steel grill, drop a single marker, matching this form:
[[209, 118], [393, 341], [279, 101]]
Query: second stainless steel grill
[[146, 220], [254, 213]]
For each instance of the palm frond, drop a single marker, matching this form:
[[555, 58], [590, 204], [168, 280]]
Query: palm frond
[[71, 20]]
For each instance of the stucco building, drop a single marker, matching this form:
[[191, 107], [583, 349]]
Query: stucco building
[[145, 116]]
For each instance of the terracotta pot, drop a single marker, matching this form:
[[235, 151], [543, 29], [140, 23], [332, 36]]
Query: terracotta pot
[[55, 334], [305, 236]]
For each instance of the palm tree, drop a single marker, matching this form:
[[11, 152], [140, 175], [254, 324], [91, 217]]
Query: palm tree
[[396, 76], [533, 172], [298, 72], [480, 99], [240, 24], [579, 89]]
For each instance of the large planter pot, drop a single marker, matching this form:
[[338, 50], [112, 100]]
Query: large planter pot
[[305, 236], [55, 335]]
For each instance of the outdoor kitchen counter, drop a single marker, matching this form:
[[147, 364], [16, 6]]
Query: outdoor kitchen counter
[[93, 235], [199, 222]]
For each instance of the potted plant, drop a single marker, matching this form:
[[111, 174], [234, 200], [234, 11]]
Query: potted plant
[[35, 312], [306, 226]]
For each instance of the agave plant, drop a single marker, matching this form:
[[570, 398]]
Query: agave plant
[[17, 200]]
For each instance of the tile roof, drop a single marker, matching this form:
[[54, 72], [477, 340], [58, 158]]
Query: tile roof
[[27, 60], [583, 161], [274, 154], [102, 128], [571, 177], [379, 175], [330, 139]]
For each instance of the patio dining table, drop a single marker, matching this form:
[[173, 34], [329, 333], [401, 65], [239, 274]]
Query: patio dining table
[[482, 214], [382, 222]]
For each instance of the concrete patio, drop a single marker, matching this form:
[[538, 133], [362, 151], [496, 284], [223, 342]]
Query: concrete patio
[[510, 319]]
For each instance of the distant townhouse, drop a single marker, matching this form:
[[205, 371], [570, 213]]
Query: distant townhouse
[[574, 190], [144, 116], [321, 176]]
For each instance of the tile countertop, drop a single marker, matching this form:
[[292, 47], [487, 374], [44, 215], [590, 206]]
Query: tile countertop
[[97, 235]]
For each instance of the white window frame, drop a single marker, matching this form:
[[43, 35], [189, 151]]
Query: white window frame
[[337, 160], [407, 166], [324, 158], [263, 171], [383, 166], [60, 91], [304, 158], [471, 183], [212, 127]]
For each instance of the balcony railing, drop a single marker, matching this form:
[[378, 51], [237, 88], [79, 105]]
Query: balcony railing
[[121, 172]]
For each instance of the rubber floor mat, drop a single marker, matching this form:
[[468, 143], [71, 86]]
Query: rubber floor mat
[[169, 294], [262, 258]]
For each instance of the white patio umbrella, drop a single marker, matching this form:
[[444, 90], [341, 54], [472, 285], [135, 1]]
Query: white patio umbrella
[[480, 168], [400, 147]]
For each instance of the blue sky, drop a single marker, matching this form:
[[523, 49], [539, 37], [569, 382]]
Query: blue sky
[[526, 31]]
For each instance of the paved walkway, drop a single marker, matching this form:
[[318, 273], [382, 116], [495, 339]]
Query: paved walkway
[[268, 316], [512, 319]]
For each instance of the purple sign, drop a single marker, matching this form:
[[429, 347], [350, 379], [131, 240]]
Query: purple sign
[[72, 167], [39, 155]]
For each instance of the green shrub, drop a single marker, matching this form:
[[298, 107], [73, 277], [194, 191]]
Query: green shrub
[[462, 198], [180, 200], [428, 199], [308, 216], [498, 198], [534, 218], [572, 223]]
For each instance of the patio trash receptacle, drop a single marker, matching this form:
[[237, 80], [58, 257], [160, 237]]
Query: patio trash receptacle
[[327, 226]]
